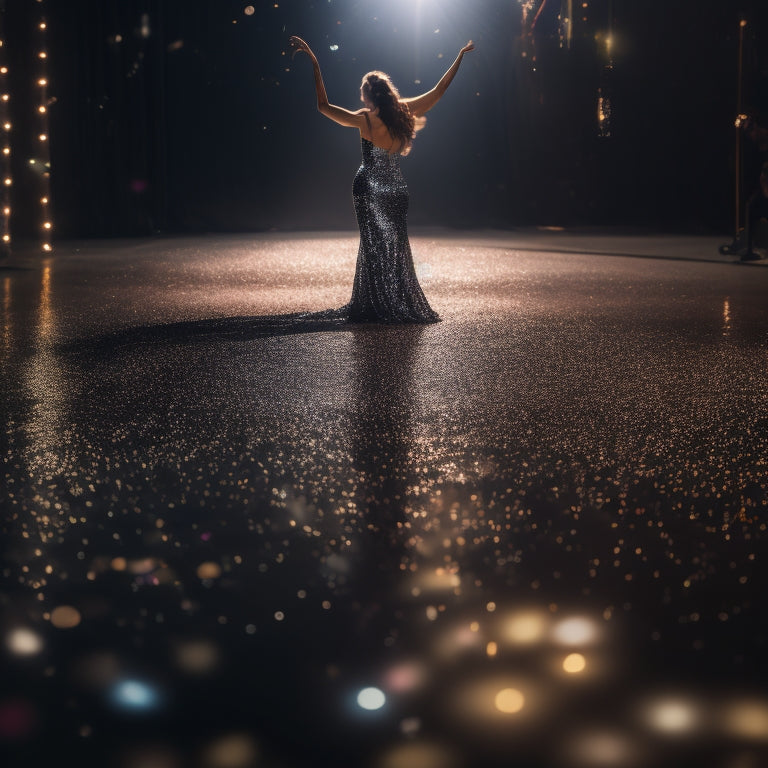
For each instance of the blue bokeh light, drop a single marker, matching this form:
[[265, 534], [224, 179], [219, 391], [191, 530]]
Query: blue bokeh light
[[135, 696]]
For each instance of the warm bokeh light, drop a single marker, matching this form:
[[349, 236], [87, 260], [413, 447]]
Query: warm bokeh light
[[197, 656], [602, 749], [747, 719], [418, 755], [65, 617], [574, 663], [672, 715], [150, 757], [525, 628], [24, 642], [235, 750], [208, 570], [510, 701], [577, 630]]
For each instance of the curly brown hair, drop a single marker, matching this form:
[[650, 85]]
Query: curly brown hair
[[401, 124]]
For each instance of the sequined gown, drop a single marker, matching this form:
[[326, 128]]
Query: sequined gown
[[386, 288]]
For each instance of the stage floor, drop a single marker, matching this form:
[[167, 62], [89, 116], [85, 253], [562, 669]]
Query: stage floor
[[535, 530]]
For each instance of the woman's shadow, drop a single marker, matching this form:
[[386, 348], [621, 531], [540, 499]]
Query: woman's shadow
[[214, 329]]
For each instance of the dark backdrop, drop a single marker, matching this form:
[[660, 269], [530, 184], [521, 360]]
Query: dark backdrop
[[179, 116]]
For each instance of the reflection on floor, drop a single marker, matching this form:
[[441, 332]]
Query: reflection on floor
[[531, 534]]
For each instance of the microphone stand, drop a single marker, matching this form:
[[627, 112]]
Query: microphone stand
[[735, 246]]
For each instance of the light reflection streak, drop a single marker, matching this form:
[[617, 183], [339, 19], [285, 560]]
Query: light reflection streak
[[7, 326], [44, 379], [45, 453]]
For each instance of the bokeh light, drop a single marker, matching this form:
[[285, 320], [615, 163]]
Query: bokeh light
[[525, 628], [418, 755], [405, 677], [18, 719], [65, 617], [24, 642], [197, 656], [574, 663], [151, 756], [208, 570], [371, 699], [577, 630], [672, 715], [509, 701], [602, 749], [747, 719], [133, 695], [234, 750]]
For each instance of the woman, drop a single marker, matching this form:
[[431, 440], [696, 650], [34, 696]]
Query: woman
[[385, 287]]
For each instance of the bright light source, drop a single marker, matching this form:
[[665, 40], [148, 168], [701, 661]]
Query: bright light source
[[135, 696], [22, 641], [371, 699], [575, 631], [509, 701], [574, 663], [672, 716]]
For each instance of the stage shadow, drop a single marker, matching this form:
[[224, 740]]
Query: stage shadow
[[715, 259]]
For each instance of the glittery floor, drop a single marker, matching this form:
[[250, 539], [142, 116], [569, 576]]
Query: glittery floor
[[532, 534]]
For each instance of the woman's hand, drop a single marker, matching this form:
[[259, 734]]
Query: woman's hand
[[470, 46], [299, 45]]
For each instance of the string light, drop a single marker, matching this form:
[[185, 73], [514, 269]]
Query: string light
[[5, 142], [43, 152], [41, 163]]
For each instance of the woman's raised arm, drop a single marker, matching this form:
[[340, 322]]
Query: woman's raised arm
[[337, 114], [421, 104]]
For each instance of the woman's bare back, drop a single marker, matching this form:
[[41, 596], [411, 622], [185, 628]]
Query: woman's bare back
[[376, 132]]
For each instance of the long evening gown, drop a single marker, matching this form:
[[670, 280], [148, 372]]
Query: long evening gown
[[386, 288]]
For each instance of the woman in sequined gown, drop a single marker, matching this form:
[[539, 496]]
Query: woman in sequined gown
[[385, 288]]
